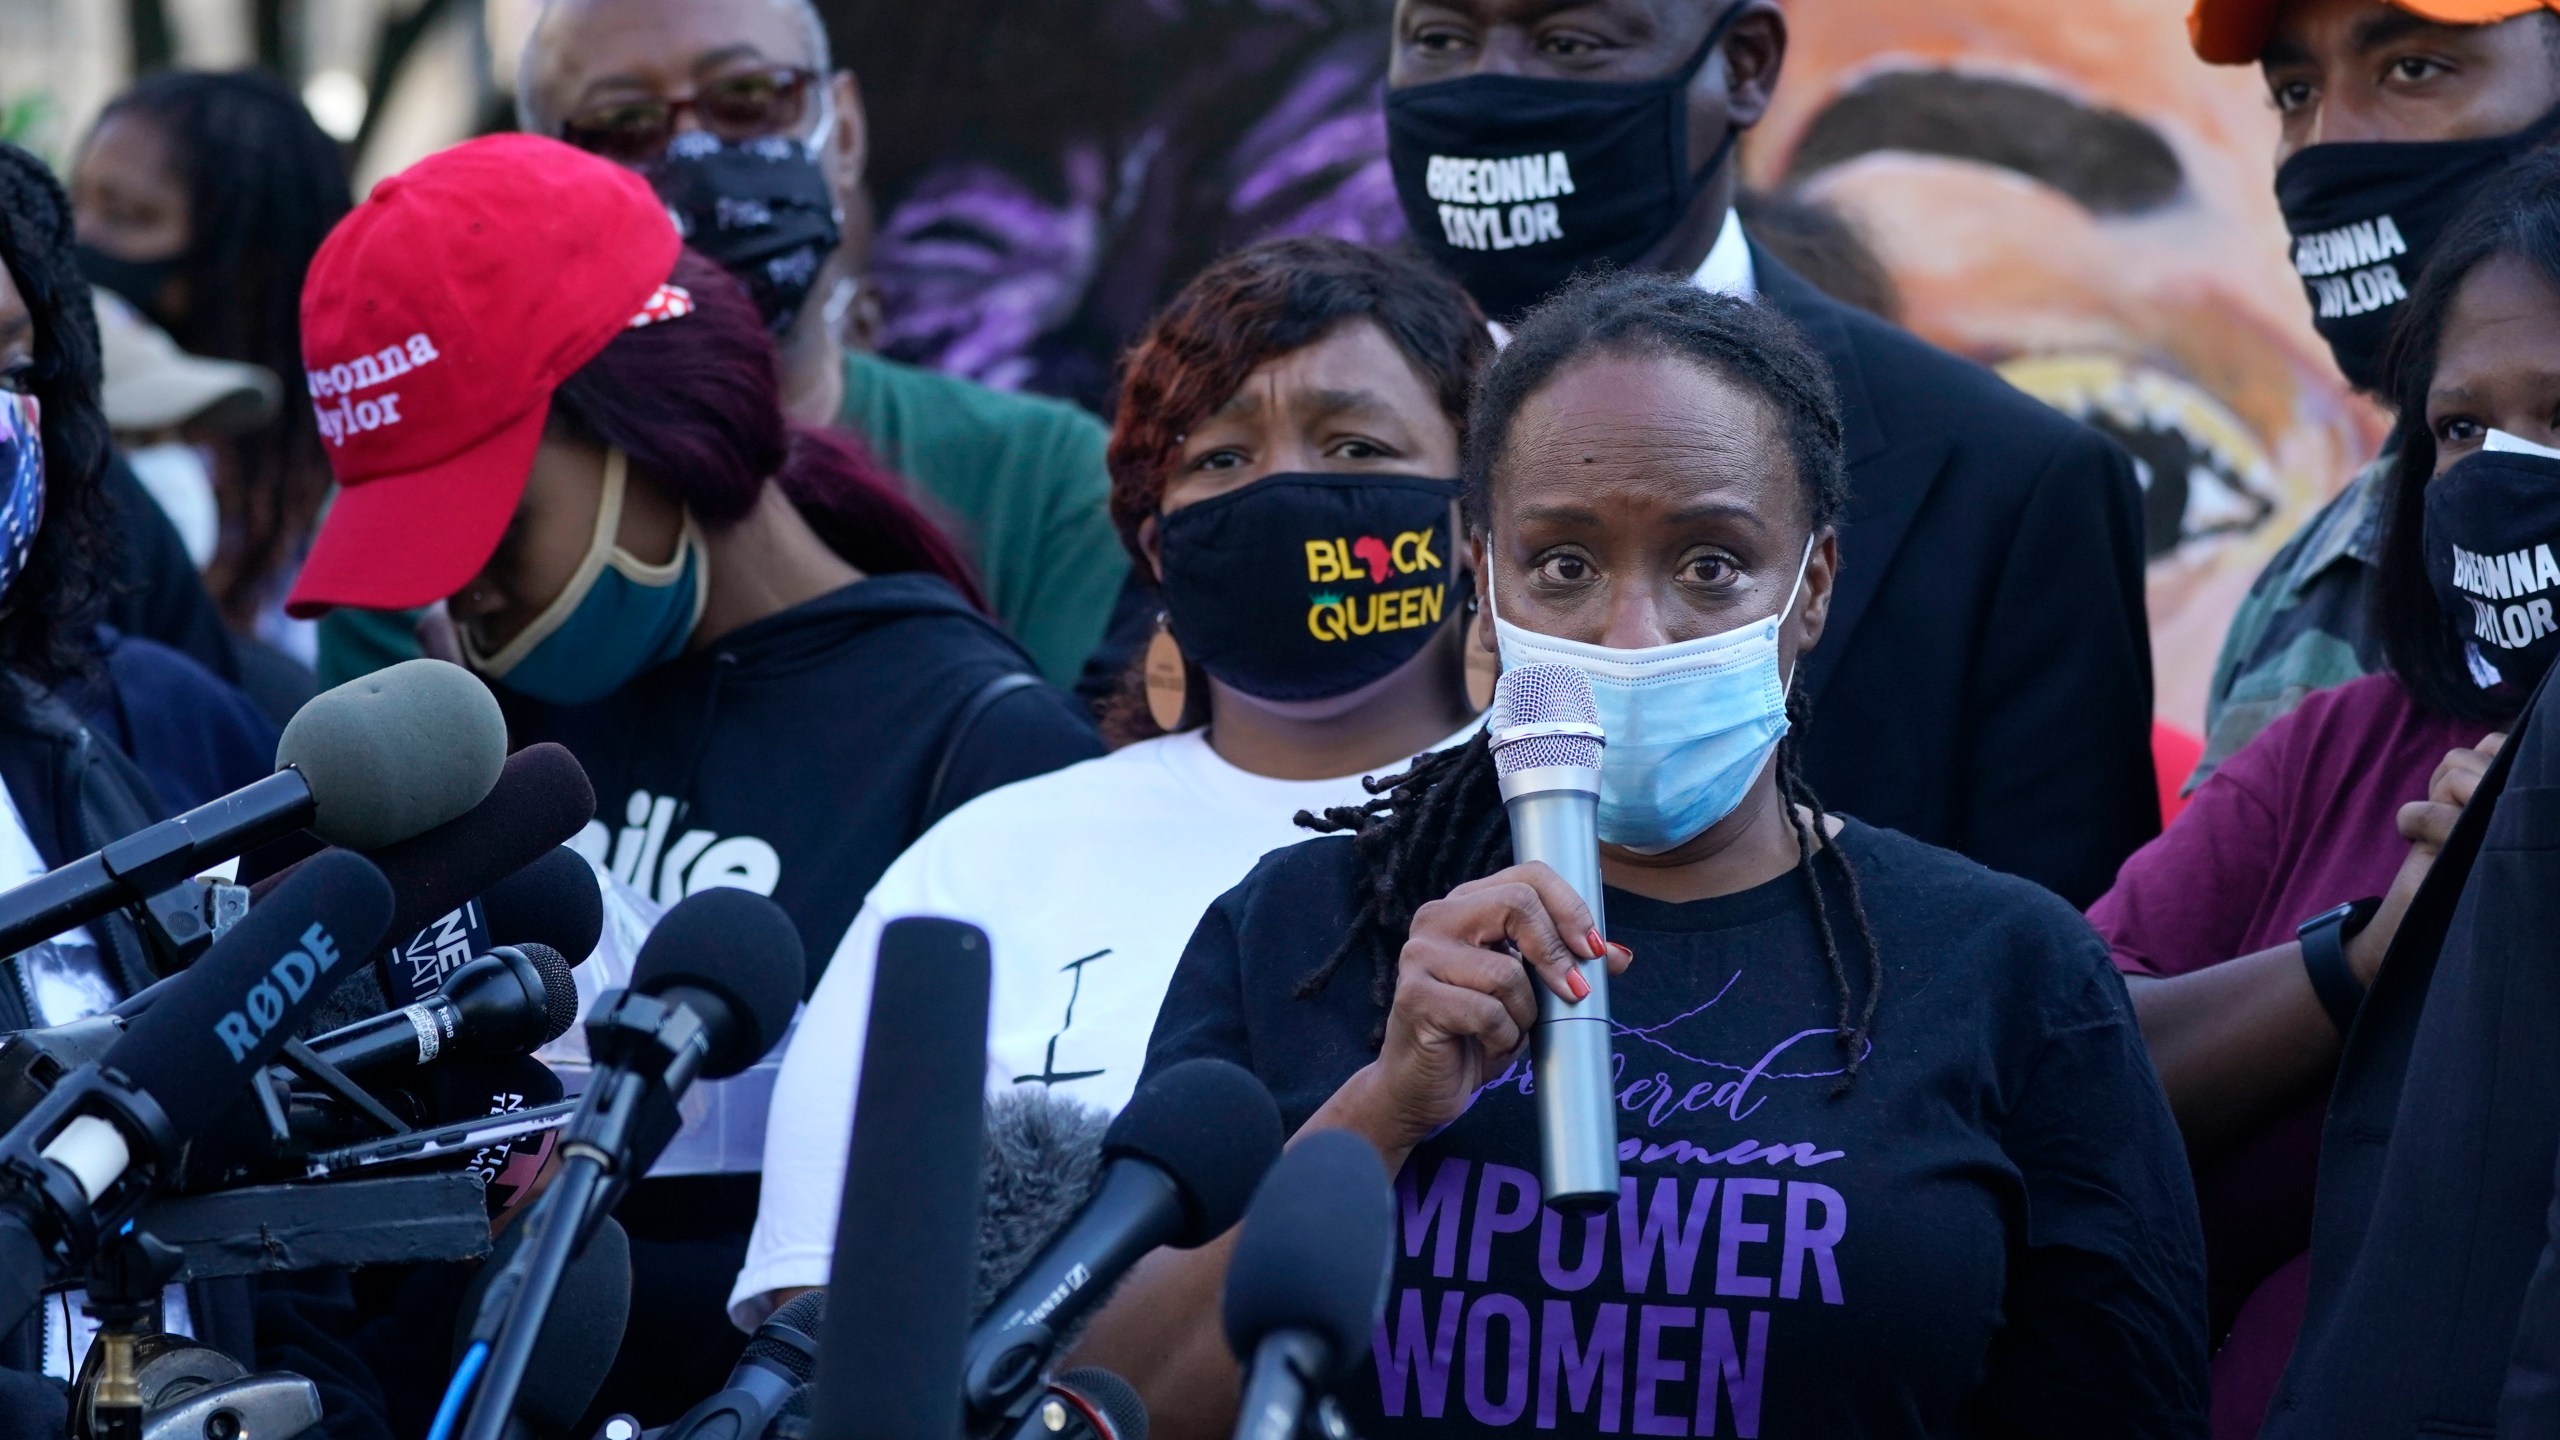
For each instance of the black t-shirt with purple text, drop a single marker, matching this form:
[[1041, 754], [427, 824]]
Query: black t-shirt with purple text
[[1989, 1232]]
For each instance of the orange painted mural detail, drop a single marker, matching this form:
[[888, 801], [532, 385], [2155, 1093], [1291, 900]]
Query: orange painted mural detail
[[2069, 196]]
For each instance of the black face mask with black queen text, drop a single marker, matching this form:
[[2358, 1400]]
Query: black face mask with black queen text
[[1304, 587], [2365, 215], [1511, 183], [2493, 552]]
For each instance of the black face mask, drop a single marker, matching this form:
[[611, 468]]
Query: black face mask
[[140, 282], [1304, 587], [2493, 551], [761, 208], [1512, 183], [2365, 215]]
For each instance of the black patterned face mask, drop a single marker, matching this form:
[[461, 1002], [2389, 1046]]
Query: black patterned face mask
[[761, 208]]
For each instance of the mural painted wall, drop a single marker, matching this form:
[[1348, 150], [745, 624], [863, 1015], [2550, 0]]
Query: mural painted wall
[[2062, 192]]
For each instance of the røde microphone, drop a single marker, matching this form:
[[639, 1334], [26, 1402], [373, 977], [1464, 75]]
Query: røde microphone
[[1308, 1279], [1180, 1162], [1546, 750], [511, 1001], [374, 761], [87, 1157], [778, 1361], [906, 1237]]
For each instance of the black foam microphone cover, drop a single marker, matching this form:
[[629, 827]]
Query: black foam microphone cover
[[580, 1337], [542, 798], [554, 901], [227, 1016], [734, 957], [1210, 1125], [1316, 1251], [889, 1361]]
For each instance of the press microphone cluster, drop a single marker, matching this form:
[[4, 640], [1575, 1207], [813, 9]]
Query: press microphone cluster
[[365, 765], [109, 1134], [1547, 742]]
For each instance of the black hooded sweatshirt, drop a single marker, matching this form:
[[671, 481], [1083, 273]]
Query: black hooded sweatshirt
[[799, 755]]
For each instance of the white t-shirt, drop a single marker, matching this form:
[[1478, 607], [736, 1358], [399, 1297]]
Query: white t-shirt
[[1088, 882]]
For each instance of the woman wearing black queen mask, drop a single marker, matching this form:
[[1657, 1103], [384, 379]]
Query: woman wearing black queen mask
[[1287, 430], [1893, 1162]]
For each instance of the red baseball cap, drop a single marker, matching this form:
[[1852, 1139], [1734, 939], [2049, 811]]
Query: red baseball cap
[[2234, 32], [437, 319]]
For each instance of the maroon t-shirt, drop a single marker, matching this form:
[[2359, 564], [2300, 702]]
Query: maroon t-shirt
[[2301, 820]]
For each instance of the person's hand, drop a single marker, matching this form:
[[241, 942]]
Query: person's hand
[[1464, 1004], [2425, 824]]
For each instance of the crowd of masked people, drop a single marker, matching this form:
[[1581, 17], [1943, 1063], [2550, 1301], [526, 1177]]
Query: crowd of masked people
[[1955, 1095]]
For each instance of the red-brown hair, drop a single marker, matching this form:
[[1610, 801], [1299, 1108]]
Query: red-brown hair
[[697, 405], [1253, 307]]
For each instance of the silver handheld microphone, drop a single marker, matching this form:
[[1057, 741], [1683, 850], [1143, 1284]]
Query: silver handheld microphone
[[1546, 747]]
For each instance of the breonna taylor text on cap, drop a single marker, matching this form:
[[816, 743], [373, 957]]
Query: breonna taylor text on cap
[[339, 383]]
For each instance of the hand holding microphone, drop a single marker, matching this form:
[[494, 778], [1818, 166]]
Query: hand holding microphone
[[1514, 959]]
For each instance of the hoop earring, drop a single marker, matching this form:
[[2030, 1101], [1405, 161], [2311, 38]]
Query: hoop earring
[[1167, 677]]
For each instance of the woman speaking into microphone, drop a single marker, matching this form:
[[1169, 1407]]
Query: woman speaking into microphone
[[1894, 1161], [1284, 465]]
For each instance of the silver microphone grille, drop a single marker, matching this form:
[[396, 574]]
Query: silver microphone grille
[[1528, 701]]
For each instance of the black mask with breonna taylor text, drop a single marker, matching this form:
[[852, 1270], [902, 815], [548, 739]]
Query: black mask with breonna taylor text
[[1511, 183], [1308, 586], [2492, 537], [2364, 216]]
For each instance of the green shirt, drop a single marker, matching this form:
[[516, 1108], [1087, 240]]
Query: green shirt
[[1022, 475], [2306, 624], [1025, 478]]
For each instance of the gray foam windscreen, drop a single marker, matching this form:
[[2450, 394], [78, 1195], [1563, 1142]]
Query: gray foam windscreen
[[395, 753], [1542, 694]]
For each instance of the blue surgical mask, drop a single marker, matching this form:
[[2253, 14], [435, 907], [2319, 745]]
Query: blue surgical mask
[[618, 617], [1689, 725]]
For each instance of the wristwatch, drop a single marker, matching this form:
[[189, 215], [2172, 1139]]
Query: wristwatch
[[2324, 940]]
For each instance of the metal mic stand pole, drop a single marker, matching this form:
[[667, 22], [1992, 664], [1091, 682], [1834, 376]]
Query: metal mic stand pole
[[647, 1052]]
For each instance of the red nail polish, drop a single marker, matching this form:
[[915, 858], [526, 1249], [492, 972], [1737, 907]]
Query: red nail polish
[[1626, 950], [1580, 987], [1599, 947]]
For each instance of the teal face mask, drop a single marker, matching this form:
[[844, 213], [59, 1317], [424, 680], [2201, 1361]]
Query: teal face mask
[[618, 616], [1689, 725]]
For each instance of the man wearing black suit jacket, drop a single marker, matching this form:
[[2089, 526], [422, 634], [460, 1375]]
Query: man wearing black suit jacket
[[1985, 683]]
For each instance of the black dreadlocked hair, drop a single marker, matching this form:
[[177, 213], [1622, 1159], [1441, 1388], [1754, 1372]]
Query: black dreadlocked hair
[[47, 618], [1441, 822]]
